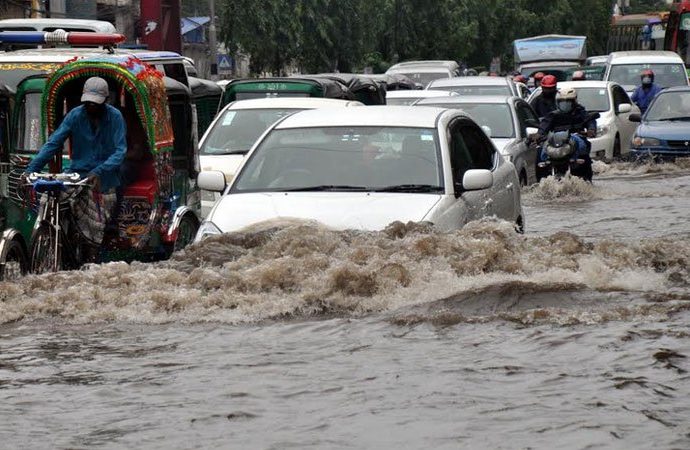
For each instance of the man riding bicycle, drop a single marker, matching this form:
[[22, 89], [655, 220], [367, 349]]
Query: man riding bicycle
[[98, 135]]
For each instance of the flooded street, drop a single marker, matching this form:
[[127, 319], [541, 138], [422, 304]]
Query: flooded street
[[575, 335]]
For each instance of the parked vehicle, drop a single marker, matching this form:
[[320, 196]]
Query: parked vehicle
[[614, 129], [235, 129], [550, 54], [424, 72], [159, 211], [625, 68], [303, 86], [508, 121], [364, 168], [365, 89], [482, 85], [406, 98], [664, 131]]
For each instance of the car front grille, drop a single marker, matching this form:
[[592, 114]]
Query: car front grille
[[679, 144]]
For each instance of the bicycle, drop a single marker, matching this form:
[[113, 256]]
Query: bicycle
[[55, 242]]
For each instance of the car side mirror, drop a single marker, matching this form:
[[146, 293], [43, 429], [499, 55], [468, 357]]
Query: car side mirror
[[624, 108], [529, 131], [477, 179], [211, 180], [635, 117]]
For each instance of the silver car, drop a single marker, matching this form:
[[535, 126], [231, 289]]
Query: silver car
[[484, 85], [363, 168], [507, 120]]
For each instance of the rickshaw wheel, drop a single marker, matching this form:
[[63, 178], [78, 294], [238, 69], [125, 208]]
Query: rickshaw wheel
[[45, 252], [15, 264], [185, 232]]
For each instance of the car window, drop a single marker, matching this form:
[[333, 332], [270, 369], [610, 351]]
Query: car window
[[526, 117], [594, 99], [620, 96], [665, 75], [460, 157], [479, 146]]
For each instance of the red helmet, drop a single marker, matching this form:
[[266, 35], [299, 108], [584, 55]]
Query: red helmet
[[519, 79], [549, 81], [538, 76], [647, 73]]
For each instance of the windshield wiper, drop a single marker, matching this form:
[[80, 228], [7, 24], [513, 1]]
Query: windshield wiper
[[227, 152], [409, 188], [326, 187], [673, 119]]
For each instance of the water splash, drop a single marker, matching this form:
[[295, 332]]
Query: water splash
[[298, 269], [641, 168], [566, 189]]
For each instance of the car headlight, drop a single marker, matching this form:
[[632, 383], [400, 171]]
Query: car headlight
[[639, 141], [206, 229], [602, 130]]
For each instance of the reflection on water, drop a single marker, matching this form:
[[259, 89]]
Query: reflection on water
[[289, 334]]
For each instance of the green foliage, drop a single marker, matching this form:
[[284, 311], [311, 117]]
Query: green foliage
[[346, 35]]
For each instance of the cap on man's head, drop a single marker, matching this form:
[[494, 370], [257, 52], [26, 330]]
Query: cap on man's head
[[95, 90]]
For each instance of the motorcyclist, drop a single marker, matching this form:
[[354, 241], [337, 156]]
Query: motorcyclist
[[545, 102], [646, 91], [572, 116]]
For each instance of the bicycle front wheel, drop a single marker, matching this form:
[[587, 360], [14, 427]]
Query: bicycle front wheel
[[45, 251]]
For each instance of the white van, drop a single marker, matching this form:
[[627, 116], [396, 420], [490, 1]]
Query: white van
[[625, 68], [96, 26]]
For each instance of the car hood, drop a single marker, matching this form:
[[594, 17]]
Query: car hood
[[665, 130], [339, 210], [228, 164]]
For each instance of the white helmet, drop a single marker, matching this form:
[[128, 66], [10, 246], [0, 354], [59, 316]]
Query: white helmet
[[566, 94]]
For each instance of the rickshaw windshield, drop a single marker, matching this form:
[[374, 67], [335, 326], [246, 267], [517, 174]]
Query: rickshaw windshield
[[28, 132]]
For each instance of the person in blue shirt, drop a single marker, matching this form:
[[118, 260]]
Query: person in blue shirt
[[98, 136], [645, 93]]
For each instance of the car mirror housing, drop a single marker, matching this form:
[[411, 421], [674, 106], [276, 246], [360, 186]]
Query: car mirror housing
[[624, 108], [635, 117], [477, 179], [211, 180], [529, 131]]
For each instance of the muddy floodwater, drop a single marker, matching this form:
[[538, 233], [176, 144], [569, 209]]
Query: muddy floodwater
[[290, 335]]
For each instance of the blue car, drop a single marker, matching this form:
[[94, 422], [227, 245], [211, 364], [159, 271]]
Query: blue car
[[664, 130]]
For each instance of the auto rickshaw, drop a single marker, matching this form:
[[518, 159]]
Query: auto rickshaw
[[206, 96], [159, 211], [285, 87]]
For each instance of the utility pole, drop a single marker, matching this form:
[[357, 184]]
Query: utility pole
[[212, 40]]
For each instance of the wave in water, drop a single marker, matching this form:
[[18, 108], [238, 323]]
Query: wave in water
[[293, 270]]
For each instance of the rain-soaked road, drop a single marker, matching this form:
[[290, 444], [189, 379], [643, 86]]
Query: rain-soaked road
[[576, 335]]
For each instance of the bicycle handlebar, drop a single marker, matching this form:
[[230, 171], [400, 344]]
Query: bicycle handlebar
[[68, 178]]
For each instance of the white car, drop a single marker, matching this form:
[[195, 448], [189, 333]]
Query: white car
[[625, 68], [423, 72], [508, 121], [614, 130], [407, 97], [237, 126], [482, 85], [363, 168]]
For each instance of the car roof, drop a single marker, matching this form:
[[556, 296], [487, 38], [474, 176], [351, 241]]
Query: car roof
[[493, 99], [677, 89], [420, 93], [291, 102], [383, 116], [40, 24], [62, 54], [584, 84], [420, 69], [644, 56], [471, 81]]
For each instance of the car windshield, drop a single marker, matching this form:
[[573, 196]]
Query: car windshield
[[665, 75], [593, 99], [369, 158], [494, 116], [425, 78], [237, 130], [670, 106], [476, 89]]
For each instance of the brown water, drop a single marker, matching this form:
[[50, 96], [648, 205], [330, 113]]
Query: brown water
[[290, 335]]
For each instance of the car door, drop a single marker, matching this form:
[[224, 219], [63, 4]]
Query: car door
[[625, 127], [527, 118], [499, 199]]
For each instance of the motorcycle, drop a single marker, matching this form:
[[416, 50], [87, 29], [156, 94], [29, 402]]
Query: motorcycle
[[565, 151]]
